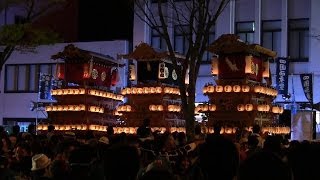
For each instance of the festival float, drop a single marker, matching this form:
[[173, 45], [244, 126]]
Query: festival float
[[84, 99], [243, 95], [156, 94]]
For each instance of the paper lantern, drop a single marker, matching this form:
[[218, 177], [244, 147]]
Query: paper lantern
[[219, 88], [258, 89], [210, 89], [212, 107], [115, 77], [60, 71], [160, 108], [248, 67], [236, 88], [249, 107], [266, 69], [245, 88], [214, 66], [158, 90], [240, 107], [132, 72], [86, 73], [161, 71], [227, 88]]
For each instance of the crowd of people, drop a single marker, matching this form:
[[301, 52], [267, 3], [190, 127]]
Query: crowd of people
[[152, 155]]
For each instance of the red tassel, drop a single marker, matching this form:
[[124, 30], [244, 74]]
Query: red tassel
[[114, 77]]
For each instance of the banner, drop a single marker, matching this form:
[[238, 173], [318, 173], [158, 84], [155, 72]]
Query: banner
[[282, 75], [45, 86], [301, 126], [307, 85]]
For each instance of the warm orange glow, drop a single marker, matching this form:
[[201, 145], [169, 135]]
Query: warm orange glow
[[214, 66], [248, 67]]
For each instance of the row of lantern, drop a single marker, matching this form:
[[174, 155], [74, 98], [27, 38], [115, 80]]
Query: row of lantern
[[261, 108], [205, 108], [117, 130], [150, 90], [241, 107], [152, 107], [92, 92], [80, 107], [250, 66], [276, 129], [69, 91], [238, 88]]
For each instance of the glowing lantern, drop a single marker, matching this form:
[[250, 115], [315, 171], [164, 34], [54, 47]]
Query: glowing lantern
[[158, 90], [86, 73], [275, 109], [60, 71], [132, 72], [260, 107], [236, 88], [129, 108], [248, 67], [219, 88], [212, 107], [160, 108], [205, 89], [134, 90], [128, 90], [240, 107], [245, 88], [153, 90], [257, 89], [249, 107], [227, 88], [152, 107], [205, 107], [210, 89], [214, 66], [266, 70], [48, 108]]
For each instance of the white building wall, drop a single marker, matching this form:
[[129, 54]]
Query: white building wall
[[258, 10], [17, 105]]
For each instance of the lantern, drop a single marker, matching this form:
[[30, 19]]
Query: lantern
[[266, 69], [260, 107], [86, 73], [275, 109], [236, 88], [212, 107], [219, 88], [214, 66], [160, 108], [115, 77], [129, 108], [205, 107], [249, 107], [140, 90], [248, 67], [245, 88], [158, 90], [240, 107], [257, 89], [152, 107], [210, 89], [60, 71], [205, 89], [132, 72], [227, 88], [161, 71]]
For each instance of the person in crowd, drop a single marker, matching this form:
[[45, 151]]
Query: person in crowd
[[40, 167], [59, 170], [21, 162], [123, 156], [256, 131], [198, 135], [50, 133], [264, 165], [144, 130], [219, 158]]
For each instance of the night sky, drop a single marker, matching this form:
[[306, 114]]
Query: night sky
[[105, 20]]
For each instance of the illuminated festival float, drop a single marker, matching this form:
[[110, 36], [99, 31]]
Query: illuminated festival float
[[84, 100], [243, 95], [156, 94]]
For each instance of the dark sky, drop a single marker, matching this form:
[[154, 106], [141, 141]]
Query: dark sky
[[105, 20]]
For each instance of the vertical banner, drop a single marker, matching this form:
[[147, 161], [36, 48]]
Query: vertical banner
[[282, 75], [45, 86], [307, 85]]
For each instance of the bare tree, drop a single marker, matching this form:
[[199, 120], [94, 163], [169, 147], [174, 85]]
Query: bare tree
[[197, 17], [23, 36]]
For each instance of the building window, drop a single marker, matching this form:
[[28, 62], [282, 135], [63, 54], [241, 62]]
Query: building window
[[271, 35], [208, 55], [245, 30], [181, 38], [24, 78], [298, 39], [156, 1], [157, 41]]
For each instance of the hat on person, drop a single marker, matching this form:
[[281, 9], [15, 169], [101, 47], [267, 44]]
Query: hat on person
[[40, 161], [104, 140]]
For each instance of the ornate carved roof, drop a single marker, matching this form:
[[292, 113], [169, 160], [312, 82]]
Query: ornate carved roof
[[144, 52], [230, 43]]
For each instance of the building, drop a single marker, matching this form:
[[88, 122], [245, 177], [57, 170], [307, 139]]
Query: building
[[19, 79], [288, 27]]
